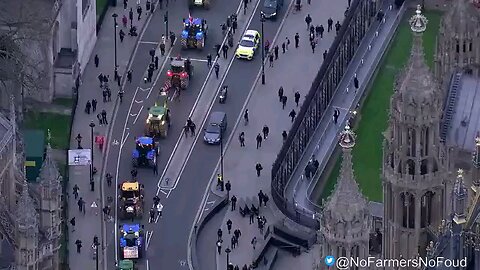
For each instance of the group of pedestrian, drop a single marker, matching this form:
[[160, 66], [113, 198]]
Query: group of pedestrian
[[311, 167], [189, 128]]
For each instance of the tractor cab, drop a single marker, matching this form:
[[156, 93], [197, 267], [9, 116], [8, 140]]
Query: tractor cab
[[131, 200], [145, 152], [179, 72], [131, 241], [158, 120]]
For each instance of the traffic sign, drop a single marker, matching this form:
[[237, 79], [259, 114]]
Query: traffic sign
[[94, 205]]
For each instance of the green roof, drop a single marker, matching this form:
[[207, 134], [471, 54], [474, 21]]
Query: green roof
[[157, 110], [34, 142]]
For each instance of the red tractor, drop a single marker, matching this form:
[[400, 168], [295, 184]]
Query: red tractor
[[178, 76]]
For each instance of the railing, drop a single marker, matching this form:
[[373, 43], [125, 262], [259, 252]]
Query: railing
[[370, 74]]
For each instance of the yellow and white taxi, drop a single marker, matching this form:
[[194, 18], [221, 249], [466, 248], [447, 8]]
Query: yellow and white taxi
[[248, 45]]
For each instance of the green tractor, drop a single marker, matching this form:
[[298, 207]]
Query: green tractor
[[126, 265], [158, 121]]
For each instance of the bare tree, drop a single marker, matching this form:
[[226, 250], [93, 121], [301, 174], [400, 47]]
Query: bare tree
[[25, 32]]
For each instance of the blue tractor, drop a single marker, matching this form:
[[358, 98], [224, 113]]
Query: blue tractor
[[145, 153], [194, 33], [131, 242]]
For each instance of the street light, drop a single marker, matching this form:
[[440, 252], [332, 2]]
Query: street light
[[262, 19], [165, 20], [115, 15], [92, 125], [221, 151], [227, 251], [95, 249]]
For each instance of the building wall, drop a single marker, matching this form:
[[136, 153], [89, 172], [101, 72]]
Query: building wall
[[86, 32]]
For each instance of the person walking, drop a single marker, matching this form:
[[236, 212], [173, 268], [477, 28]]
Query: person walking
[[233, 241], [259, 140], [192, 129], [219, 247], [88, 106], [233, 200], [283, 47], [275, 51], [241, 139], [252, 218], [270, 59], [355, 82], [329, 24], [284, 135], [72, 223], [245, 6], [267, 46], [81, 205], [308, 20], [325, 55], [104, 117], [79, 141], [94, 105], [96, 60], [254, 242], [225, 51], [156, 62], [265, 131], [280, 93], [124, 21], [336, 114], [216, 68], [209, 60], [75, 191], [292, 114], [78, 243], [109, 178], [284, 102], [313, 44], [237, 233], [219, 234], [121, 34], [297, 97], [245, 117], [260, 197], [297, 40], [139, 12], [229, 226], [287, 43], [258, 168]]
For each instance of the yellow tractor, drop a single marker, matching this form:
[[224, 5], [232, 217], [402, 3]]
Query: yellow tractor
[[131, 200], [158, 120]]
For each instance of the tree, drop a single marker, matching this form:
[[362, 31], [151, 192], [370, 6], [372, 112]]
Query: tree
[[25, 32]]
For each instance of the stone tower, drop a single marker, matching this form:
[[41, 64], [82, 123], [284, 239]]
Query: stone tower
[[476, 165], [345, 223], [50, 206], [415, 161], [460, 199], [27, 233], [458, 43]]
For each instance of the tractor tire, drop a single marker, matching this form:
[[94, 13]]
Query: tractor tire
[[183, 41]]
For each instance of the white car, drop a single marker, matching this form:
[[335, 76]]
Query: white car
[[248, 45]]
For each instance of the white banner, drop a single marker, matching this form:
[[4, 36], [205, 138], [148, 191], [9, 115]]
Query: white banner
[[79, 157]]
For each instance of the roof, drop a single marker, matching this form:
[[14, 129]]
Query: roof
[[250, 32], [177, 63], [34, 142], [157, 110], [133, 227], [466, 115], [27, 216], [49, 176], [194, 21], [145, 140], [462, 20], [129, 186]]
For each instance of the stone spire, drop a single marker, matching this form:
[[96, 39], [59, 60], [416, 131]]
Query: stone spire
[[26, 252], [49, 176], [459, 199], [346, 219], [27, 217], [458, 47], [476, 164]]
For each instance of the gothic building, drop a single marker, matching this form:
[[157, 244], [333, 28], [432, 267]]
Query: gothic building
[[30, 215], [346, 222]]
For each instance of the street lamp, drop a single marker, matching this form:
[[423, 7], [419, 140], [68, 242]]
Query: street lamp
[[262, 19], [115, 15], [221, 151], [92, 125], [227, 251], [95, 249], [165, 20]]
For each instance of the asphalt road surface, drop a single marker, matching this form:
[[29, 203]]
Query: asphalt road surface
[[167, 239]]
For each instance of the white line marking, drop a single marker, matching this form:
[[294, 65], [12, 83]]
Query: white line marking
[[148, 240], [169, 192], [133, 114], [138, 114], [151, 89], [148, 265], [139, 101], [149, 42], [211, 202], [146, 89], [162, 191], [124, 140], [198, 60], [206, 209], [115, 142]]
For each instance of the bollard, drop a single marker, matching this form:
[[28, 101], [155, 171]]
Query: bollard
[[390, 7], [347, 90], [383, 20], [376, 33], [361, 62], [370, 47]]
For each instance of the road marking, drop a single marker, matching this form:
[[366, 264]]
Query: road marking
[[206, 209], [139, 101], [198, 60], [211, 202], [148, 265], [150, 91], [149, 235], [115, 142], [133, 114], [182, 262], [124, 140], [144, 89], [149, 42], [163, 192], [138, 114]]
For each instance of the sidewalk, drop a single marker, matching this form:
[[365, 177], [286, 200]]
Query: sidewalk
[[90, 224], [239, 162]]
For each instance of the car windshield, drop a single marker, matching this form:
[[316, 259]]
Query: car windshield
[[247, 43], [213, 129]]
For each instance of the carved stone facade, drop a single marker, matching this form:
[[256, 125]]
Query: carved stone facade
[[345, 222]]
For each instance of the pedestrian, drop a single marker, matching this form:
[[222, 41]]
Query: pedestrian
[[139, 12], [275, 50], [237, 233], [109, 177], [172, 38], [267, 46], [297, 40], [72, 222], [297, 98], [192, 129], [336, 114], [104, 94], [88, 106], [337, 27], [288, 43], [155, 169], [234, 202], [152, 54], [81, 204], [265, 200], [284, 135], [270, 58], [75, 191], [104, 117], [120, 95], [109, 93], [219, 234], [292, 114], [96, 60], [129, 76], [216, 69], [245, 117], [260, 197], [219, 247], [321, 30], [245, 6], [228, 186], [100, 79], [313, 44], [162, 49], [308, 20], [283, 47], [329, 24], [355, 82], [252, 216], [78, 243], [312, 30], [209, 60], [220, 182], [121, 34], [241, 139], [258, 168], [229, 226], [152, 215], [225, 51], [233, 241], [234, 26], [259, 140], [156, 62], [186, 130], [254, 242], [265, 131], [94, 105], [79, 141], [130, 15], [125, 3], [284, 102], [124, 21], [325, 55], [280, 93], [218, 48]]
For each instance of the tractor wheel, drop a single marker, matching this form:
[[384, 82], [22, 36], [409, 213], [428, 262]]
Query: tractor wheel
[[183, 41]]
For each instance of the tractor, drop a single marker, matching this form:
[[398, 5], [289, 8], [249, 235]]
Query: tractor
[[158, 121], [145, 153], [202, 3], [131, 242], [131, 200], [178, 76], [194, 33]]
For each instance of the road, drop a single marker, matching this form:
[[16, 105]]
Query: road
[[167, 239]]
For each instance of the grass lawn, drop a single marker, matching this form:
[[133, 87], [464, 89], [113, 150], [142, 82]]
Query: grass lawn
[[101, 5], [367, 154], [67, 102], [58, 124]]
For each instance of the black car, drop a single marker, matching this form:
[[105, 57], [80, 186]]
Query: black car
[[271, 8]]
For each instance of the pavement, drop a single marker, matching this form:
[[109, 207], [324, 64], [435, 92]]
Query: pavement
[[90, 224], [239, 162], [325, 138], [186, 161]]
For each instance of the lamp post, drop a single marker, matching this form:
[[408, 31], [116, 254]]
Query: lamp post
[[262, 19], [95, 249], [115, 15], [92, 125], [165, 20], [227, 251], [221, 152]]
